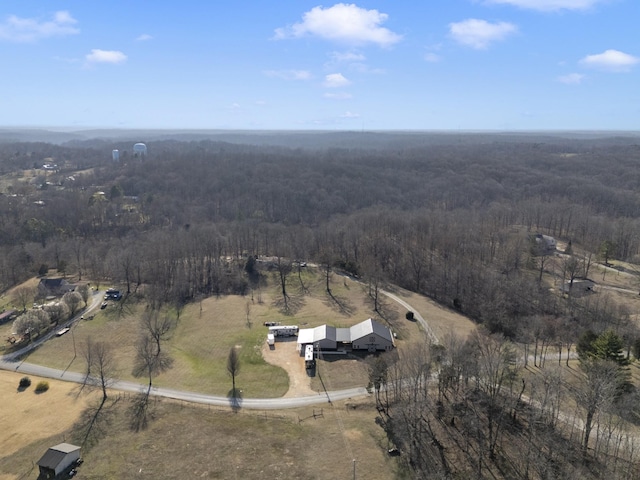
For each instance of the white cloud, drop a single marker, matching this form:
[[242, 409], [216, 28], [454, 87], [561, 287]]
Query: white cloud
[[549, 5], [432, 57], [144, 37], [16, 29], [571, 78], [479, 34], [338, 57], [289, 74], [105, 56], [346, 23], [349, 114], [338, 95], [336, 80], [611, 60]]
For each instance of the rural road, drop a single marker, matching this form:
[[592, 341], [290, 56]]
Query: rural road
[[417, 316], [253, 403], [11, 362], [96, 300]]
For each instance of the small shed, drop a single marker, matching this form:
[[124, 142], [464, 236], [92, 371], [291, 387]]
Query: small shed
[[57, 459], [372, 336]]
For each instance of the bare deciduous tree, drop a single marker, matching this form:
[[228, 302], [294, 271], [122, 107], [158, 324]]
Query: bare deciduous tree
[[284, 268], [73, 301], [85, 292], [596, 392], [23, 296], [31, 322], [233, 367], [157, 326], [57, 312], [101, 366]]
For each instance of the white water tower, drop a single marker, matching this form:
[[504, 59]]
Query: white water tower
[[140, 150]]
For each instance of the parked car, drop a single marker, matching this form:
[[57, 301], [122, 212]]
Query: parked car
[[103, 306]]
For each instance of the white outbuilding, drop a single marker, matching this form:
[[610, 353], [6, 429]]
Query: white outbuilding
[[372, 336]]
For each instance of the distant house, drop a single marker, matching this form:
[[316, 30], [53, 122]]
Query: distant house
[[58, 459], [54, 287], [543, 244], [579, 287], [6, 316], [368, 335]]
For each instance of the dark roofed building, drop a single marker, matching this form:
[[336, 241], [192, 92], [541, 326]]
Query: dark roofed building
[[54, 287], [57, 459], [6, 316]]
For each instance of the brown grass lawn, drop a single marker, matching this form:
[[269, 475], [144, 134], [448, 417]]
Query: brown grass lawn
[[34, 420], [185, 441], [207, 330]]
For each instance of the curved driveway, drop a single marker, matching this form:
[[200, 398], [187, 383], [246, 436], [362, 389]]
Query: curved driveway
[[11, 362]]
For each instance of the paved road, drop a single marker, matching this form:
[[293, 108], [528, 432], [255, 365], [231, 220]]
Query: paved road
[[13, 363], [96, 300], [254, 403]]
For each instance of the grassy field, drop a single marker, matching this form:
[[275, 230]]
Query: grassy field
[[33, 422], [187, 441], [207, 330]]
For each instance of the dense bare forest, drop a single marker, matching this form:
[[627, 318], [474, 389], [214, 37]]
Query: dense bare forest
[[453, 217]]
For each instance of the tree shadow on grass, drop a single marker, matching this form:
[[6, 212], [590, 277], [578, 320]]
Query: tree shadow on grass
[[94, 422], [235, 400], [140, 412], [291, 306], [387, 310], [339, 303]]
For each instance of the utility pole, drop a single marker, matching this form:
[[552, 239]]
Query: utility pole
[[74, 341], [354, 469]]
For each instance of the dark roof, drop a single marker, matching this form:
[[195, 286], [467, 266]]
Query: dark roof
[[5, 315], [53, 282], [52, 458]]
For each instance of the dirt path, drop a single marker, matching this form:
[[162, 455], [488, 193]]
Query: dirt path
[[286, 356]]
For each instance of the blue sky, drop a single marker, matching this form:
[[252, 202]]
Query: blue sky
[[298, 64]]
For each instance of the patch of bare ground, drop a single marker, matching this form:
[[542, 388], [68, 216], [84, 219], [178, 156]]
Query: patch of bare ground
[[284, 354], [28, 418]]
